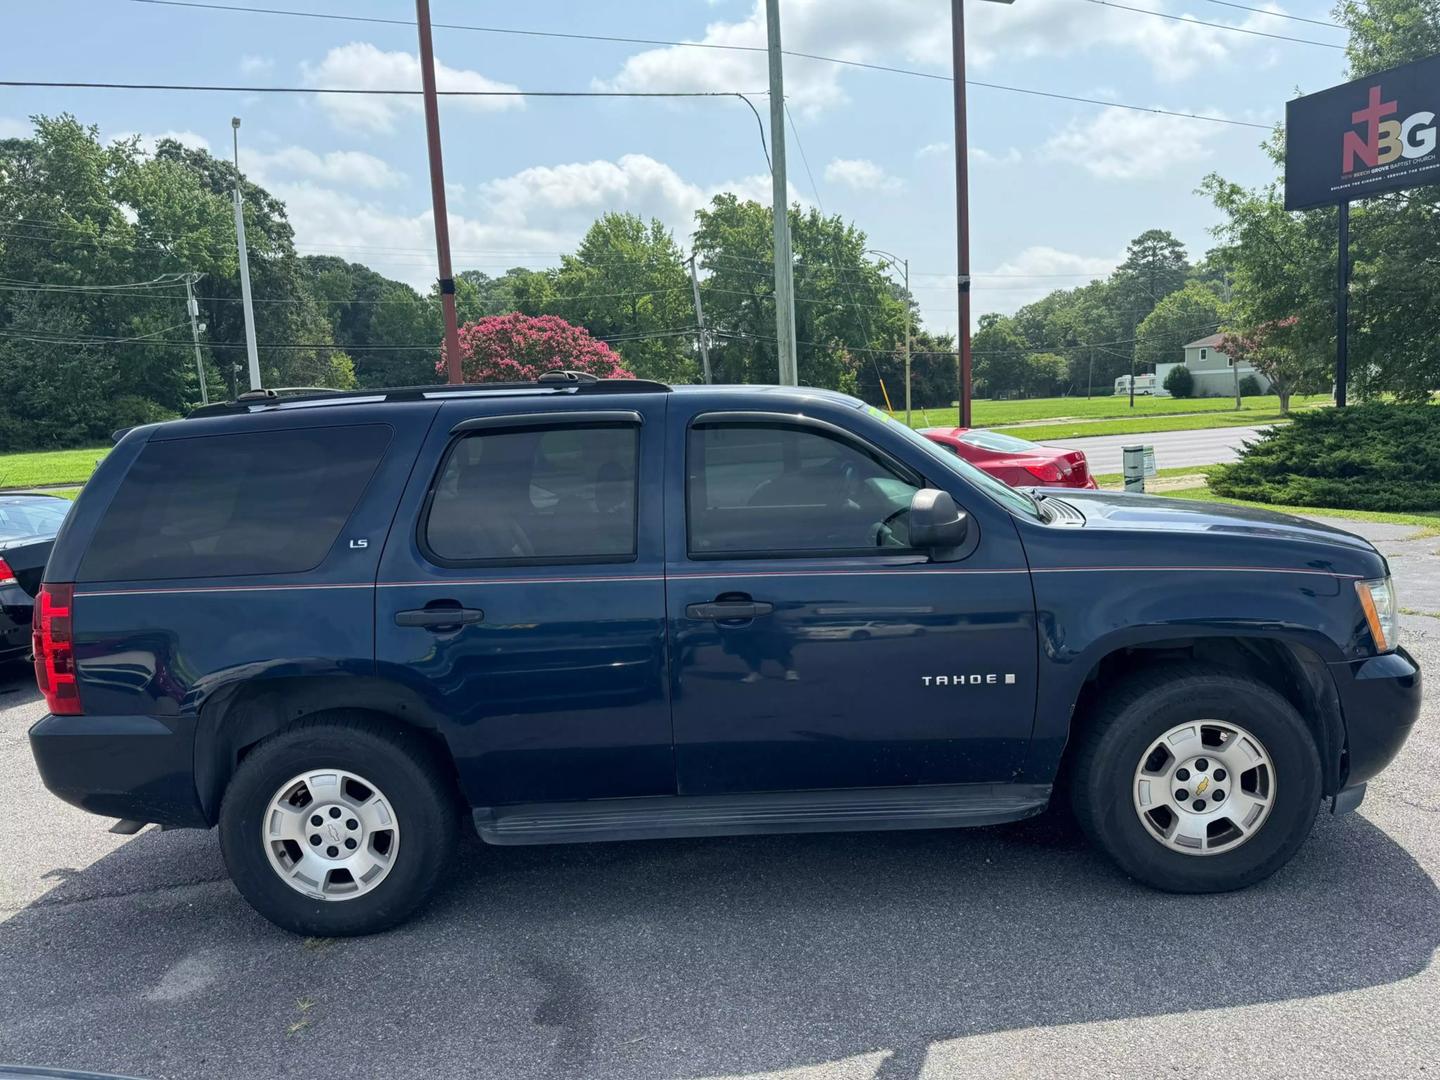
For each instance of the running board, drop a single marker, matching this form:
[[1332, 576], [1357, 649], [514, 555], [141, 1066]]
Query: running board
[[940, 806]]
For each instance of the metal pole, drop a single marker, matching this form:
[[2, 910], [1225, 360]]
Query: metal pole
[[1235, 371], [962, 206], [908, 320], [437, 193], [1342, 309], [194, 309], [1134, 335], [700, 321], [780, 201], [251, 351], [1090, 377]]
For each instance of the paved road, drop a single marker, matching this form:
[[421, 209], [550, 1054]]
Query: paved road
[[1009, 952], [1172, 448]]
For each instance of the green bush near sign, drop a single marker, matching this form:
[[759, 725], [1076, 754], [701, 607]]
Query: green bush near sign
[[1366, 457]]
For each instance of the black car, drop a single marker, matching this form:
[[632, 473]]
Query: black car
[[28, 524], [572, 610]]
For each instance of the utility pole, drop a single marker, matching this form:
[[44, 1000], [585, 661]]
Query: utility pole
[[437, 192], [193, 307], [780, 201], [700, 321], [962, 209], [251, 352]]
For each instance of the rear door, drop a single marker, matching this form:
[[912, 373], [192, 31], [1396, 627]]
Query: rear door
[[812, 648], [521, 595]]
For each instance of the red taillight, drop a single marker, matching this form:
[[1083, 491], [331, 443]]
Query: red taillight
[[7, 576], [1046, 472], [55, 649]]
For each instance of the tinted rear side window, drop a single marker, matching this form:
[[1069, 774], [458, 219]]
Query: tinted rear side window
[[270, 502], [562, 494]]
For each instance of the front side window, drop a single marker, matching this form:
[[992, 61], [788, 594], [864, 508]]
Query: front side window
[[762, 489], [557, 494]]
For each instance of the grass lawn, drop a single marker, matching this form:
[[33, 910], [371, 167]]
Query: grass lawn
[[997, 413], [1428, 522], [1117, 480], [49, 467], [1140, 425]]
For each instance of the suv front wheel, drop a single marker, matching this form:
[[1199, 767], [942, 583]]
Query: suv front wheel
[[338, 826], [1196, 779]]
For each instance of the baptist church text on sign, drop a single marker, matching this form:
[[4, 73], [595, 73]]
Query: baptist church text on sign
[[1369, 136]]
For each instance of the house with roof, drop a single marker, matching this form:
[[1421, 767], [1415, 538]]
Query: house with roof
[[1216, 374]]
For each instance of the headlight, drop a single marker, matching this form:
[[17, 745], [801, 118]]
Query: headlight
[[1382, 613]]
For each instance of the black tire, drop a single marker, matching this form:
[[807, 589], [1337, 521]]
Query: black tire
[[1139, 709], [400, 764]]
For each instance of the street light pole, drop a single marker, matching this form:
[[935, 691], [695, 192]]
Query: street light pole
[[437, 193], [962, 204], [780, 201], [251, 352], [904, 265]]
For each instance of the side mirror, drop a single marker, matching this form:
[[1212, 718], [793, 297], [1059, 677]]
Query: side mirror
[[937, 524]]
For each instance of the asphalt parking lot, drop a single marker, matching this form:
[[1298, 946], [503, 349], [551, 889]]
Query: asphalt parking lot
[[1001, 952]]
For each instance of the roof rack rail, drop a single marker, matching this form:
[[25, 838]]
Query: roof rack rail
[[558, 381]]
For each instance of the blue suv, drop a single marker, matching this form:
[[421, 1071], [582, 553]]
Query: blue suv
[[337, 624]]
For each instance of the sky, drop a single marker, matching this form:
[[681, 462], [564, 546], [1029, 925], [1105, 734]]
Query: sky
[[1057, 188]]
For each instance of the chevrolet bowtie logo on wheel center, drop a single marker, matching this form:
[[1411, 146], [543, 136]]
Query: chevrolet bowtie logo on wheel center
[[1202, 785]]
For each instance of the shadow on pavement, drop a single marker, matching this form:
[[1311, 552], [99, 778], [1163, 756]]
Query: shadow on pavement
[[685, 958], [17, 683]]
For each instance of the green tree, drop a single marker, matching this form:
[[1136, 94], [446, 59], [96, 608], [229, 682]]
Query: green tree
[[1186, 314], [848, 313], [627, 284], [998, 353]]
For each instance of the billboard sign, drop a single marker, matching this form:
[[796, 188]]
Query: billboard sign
[[1366, 137]]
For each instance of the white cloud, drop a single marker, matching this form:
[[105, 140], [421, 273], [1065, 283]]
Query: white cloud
[[542, 210], [916, 32], [147, 141], [353, 168], [1033, 273], [256, 65], [1009, 156], [861, 174], [360, 65], [1120, 145], [934, 149]]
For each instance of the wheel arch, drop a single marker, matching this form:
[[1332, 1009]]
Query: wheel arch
[[1292, 668], [236, 718]]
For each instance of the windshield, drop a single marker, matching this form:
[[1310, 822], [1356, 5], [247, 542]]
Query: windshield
[[24, 519], [997, 490]]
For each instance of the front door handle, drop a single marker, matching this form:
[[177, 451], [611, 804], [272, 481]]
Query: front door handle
[[439, 618], [721, 610]]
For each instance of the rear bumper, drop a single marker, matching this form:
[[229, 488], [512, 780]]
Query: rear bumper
[[136, 767], [1380, 701]]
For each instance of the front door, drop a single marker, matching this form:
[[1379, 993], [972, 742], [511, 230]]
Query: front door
[[811, 646], [521, 597]]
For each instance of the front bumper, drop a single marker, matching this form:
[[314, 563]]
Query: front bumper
[[140, 768], [1380, 701]]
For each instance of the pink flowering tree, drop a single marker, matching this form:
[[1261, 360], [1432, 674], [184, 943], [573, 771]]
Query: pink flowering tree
[[520, 348]]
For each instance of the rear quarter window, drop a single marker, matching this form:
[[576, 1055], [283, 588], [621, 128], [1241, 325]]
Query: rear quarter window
[[264, 502]]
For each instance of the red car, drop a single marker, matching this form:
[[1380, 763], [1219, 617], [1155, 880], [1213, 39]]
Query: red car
[[1017, 462]]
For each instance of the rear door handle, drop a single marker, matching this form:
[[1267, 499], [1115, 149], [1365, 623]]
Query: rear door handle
[[721, 610], [439, 618]]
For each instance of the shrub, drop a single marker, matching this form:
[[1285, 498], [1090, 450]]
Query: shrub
[[1366, 457], [1180, 382], [520, 348], [1249, 386]]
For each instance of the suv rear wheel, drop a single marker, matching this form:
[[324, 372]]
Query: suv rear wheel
[[1196, 779], [339, 826]]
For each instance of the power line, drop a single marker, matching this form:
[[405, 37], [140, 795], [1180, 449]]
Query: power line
[[378, 92], [1218, 26], [1282, 15]]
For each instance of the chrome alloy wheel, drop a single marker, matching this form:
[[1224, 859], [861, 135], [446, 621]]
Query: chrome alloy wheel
[[330, 834], [1204, 787]]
